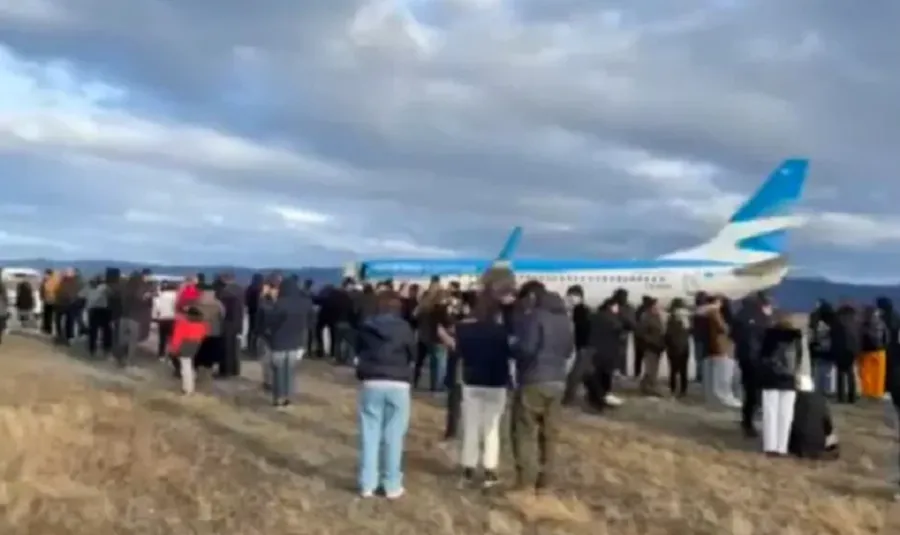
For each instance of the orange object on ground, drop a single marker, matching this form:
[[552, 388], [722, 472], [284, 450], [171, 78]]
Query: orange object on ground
[[872, 372]]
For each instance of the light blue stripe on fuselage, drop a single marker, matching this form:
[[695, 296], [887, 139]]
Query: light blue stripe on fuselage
[[417, 268]]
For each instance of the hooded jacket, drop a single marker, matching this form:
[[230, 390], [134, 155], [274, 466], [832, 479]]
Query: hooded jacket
[[846, 342], [544, 342], [386, 347], [287, 321]]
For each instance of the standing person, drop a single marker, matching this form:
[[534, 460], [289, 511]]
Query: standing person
[[209, 354], [4, 308], [873, 358], [892, 324], [607, 331], [267, 297], [25, 303], [65, 308], [483, 347], [49, 286], [188, 332], [188, 292], [820, 322], [720, 364], [750, 327], [639, 349], [780, 355], [137, 302], [164, 315], [543, 343], [846, 346], [386, 349], [678, 347], [650, 336], [700, 337], [231, 295], [99, 318], [252, 296], [581, 327], [287, 325]]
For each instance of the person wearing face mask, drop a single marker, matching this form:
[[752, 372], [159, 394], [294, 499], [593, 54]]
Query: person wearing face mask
[[581, 327]]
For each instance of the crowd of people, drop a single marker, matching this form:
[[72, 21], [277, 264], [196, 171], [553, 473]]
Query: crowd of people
[[500, 347]]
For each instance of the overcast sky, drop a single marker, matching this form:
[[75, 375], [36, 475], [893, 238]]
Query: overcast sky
[[311, 132]]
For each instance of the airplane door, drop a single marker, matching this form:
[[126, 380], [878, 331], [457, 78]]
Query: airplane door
[[691, 285]]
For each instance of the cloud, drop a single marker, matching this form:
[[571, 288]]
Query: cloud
[[310, 133]]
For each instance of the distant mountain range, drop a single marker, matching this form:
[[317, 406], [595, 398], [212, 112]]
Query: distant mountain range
[[795, 293]]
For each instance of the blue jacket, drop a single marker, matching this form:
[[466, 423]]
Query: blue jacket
[[543, 342], [485, 352], [287, 320], [385, 347]]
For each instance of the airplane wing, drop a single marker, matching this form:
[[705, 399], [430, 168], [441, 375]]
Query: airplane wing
[[765, 267]]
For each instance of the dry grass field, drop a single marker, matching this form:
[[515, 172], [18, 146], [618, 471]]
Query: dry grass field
[[86, 449]]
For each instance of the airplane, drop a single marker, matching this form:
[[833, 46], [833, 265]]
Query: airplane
[[747, 255]]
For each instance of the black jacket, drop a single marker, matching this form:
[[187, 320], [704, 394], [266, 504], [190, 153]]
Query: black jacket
[[607, 330], [845, 337], [287, 321], [232, 297], [779, 358], [386, 347], [581, 322], [749, 329], [483, 347], [811, 426]]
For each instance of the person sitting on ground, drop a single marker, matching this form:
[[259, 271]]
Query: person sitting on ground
[[779, 359], [387, 348], [188, 333], [812, 432]]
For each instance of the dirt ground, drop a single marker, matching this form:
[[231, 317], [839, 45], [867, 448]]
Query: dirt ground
[[86, 449]]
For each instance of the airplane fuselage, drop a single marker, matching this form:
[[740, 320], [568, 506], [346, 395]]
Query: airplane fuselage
[[663, 279]]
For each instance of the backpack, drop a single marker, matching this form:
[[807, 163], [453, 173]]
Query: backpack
[[820, 338]]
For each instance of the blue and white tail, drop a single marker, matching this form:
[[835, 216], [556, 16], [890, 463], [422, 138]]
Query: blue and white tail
[[757, 232]]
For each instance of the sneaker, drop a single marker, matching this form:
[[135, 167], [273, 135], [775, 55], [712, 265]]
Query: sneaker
[[367, 494], [395, 494], [468, 477], [491, 479], [613, 400]]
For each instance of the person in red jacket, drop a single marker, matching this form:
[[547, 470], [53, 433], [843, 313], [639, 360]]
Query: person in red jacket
[[187, 294], [187, 336]]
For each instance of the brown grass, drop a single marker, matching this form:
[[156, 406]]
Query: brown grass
[[87, 450]]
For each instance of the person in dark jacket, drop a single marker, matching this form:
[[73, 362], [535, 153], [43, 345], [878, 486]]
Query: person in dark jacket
[[67, 306], [484, 351], [581, 327], [136, 307], [678, 347], [779, 361], [700, 334], [629, 321], [287, 325], [232, 297], [749, 328], [25, 303], [251, 301], [386, 350], [543, 341], [820, 322], [813, 434], [639, 349], [650, 331], [892, 326], [846, 346], [607, 330]]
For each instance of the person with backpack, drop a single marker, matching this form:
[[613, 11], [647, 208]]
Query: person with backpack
[[873, 360]]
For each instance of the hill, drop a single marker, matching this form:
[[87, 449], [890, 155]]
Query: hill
[[795, 293]]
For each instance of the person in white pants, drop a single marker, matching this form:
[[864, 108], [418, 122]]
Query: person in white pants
[[483, 347], [780, 355]]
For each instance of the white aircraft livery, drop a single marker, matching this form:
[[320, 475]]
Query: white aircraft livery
[[746, 256]]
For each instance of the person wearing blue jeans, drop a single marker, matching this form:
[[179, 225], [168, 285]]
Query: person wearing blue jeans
[[286, 324], [386, 350], [437, 367]]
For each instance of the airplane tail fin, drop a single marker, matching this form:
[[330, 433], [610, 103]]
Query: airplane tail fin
[[758, 229], [511, 245]]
